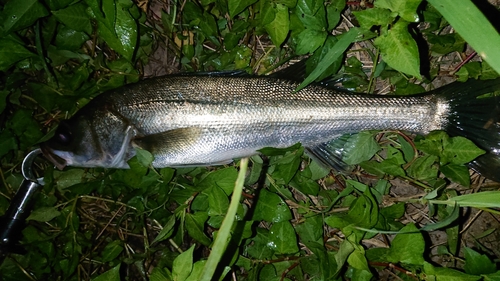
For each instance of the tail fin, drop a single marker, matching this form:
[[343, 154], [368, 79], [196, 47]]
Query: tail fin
[[478, 119]]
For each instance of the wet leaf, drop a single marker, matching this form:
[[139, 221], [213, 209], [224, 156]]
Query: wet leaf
[[282, 238], [17, 15], [279, 27], [110, 275], [407, 9], [44, 214], [75, 17], [11, 52], [270, 207], [399, 50], [360, 147]]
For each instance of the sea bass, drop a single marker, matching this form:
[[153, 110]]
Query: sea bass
[[203, 120]]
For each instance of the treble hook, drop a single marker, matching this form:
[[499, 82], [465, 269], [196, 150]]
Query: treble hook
[[13, 221]]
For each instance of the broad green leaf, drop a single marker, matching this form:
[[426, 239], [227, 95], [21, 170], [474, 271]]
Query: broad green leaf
[[17, 15], [461, 151], [467, 19], [333, 12], [399, 50], [11, 52], [311, 230], [407, 9], [312, 14], [423, 168], [270, 207], [433, 143], [333, 55], [44, 214], [286, 167], [223, 178], [280, 26], [360, 147], [183, 265], [144, 157], [478, 264], [373, 17], [110, 275], [217, 201], [7, 142], [309, 40], [68, 178], [408, 247], [447, 274], [195, 227], [75, 17], [408, 151], [236, 6], [112, 250], [456, 173], [282, 238]]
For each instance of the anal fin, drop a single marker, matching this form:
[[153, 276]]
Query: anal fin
[[330, 153]]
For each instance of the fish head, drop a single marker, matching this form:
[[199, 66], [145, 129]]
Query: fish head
[[90, 141]]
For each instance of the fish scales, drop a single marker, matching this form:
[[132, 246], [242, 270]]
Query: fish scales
[[237, 116]]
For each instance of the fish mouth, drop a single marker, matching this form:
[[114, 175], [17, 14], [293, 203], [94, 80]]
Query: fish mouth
[[59, 162]]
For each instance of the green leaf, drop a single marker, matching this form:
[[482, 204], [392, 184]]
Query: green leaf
[[423, 168], [407, 9], [447, 274], [237, 6], [44, 214], [223, 178], [110, 275], [282, 238], [280, 26], [333, 12], [217, 201], [467, 19], [408, 247], [399, 50], [484, 199], [312, 14], [373, 17], [183, 265], [270, 207], [17, 15], [311, 230], [309, 40], [478, 264], [461, 151], [195, 227], [144, 157], [333, 55], [75, 17], [12, 52], [456, 173], [360, 147], [112, 251], [167, 230]]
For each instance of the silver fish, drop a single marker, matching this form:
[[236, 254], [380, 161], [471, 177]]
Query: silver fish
[[205, 120]]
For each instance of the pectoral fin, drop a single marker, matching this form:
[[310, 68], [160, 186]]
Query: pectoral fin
[[330, 153], [172, 140]]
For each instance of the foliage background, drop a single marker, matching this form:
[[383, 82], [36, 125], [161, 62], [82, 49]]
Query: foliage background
[[405, 212]]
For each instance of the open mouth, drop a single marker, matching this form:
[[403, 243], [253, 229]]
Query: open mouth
[[52, 157]]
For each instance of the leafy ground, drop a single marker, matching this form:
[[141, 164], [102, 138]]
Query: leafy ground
[[409, 210]]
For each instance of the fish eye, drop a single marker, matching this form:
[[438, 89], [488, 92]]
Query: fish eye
[[63, 138], [63, 134]]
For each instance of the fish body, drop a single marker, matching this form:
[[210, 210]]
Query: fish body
[[208, 120]]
